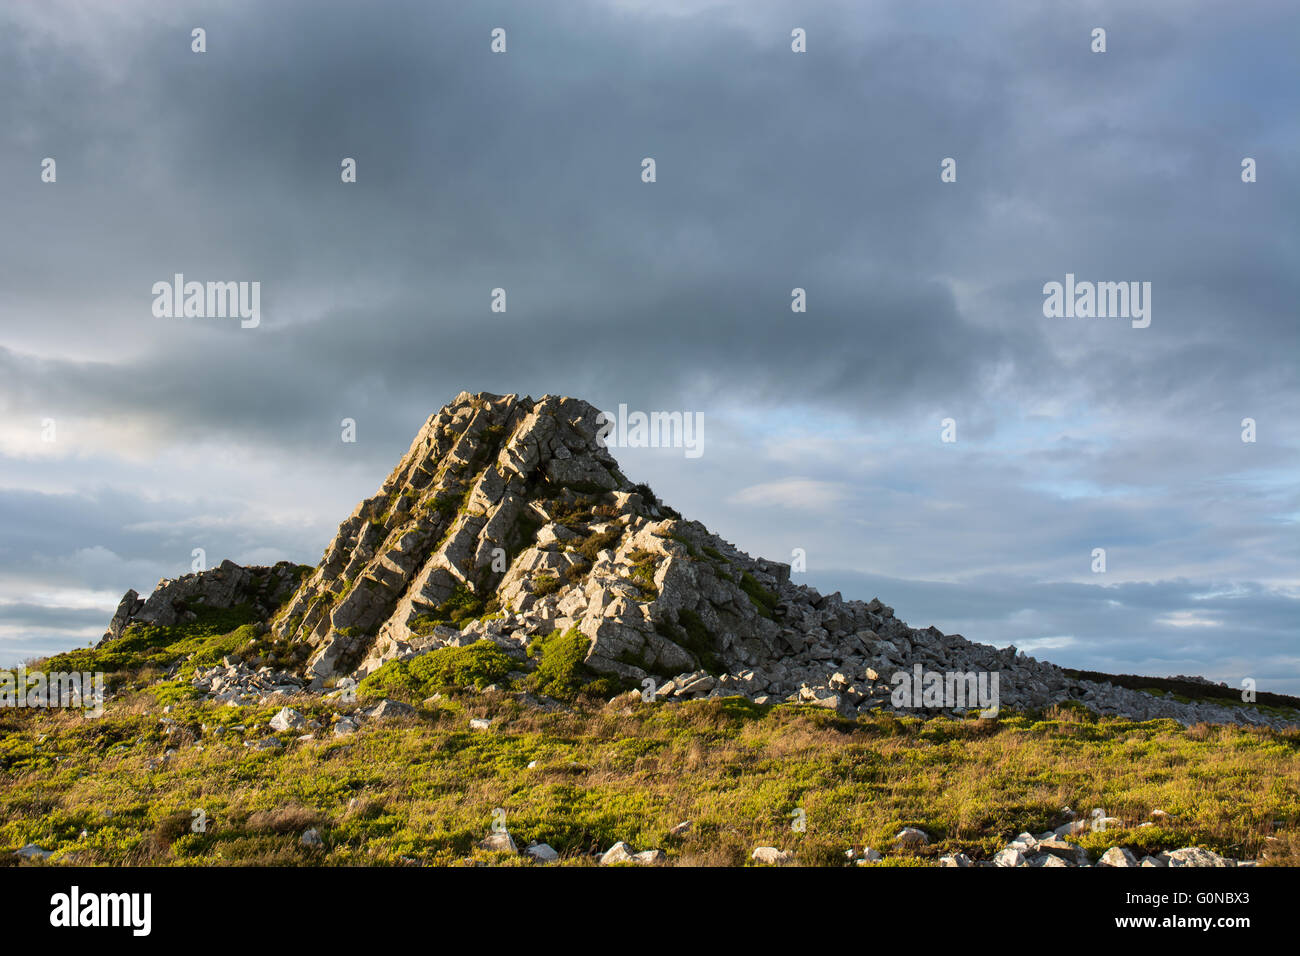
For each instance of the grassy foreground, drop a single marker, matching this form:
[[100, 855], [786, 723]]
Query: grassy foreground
[[423, 789], [184, 786]]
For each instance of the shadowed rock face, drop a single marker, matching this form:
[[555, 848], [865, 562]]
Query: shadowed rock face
[[228, 585], [507, 518]]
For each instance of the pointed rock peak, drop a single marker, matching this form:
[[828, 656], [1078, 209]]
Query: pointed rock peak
[[499, 502]]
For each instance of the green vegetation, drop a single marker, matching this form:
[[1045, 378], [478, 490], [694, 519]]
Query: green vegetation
[[578, 511], [643, 574], [763, 599], [423, 789], [544, 584], [561, 672], [596, 542], [214, 634], [463, 606], [445, 505], [698, 640], [478, 665]]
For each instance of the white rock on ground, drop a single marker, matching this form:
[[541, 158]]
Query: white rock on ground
[[288, 719], [1118, 856], [500, 841], [543, 853], [770, 855], [620, 852], [911, 837]]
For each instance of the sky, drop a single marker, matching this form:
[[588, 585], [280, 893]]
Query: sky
[[774, 170]]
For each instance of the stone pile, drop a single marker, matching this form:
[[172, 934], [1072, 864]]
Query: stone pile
[[237, 685]]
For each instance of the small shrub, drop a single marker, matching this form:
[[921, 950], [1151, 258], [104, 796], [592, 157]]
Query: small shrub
[[544, 584], [293, 818], [764, 600], [479, 664], [596, 542], [643, 574], [561, 672], [463, 606]]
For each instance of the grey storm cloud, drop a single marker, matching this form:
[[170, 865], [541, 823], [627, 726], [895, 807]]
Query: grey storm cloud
[[775, 171]]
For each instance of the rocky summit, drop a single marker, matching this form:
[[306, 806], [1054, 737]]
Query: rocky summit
[[508, 519]]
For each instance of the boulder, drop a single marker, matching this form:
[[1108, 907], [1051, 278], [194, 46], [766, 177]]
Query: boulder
[[1195, 856], [287, 719], [1010, 856], [346, 726], [1117, 856], [911, 837], [386, 709], [620, 852], [770, 855], [542, 853], [499, 841], [33, 852]]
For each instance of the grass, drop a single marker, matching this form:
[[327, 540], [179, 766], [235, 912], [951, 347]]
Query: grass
[[424, 788], [214, 634]]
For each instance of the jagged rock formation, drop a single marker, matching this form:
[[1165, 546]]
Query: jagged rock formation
[[225, 586], [508, 518]]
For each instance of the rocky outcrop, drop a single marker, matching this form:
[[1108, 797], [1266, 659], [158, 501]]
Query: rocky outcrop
[[462, 511], [508, 518], [228, 585]]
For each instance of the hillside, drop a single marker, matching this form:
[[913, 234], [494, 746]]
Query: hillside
[[512, 643]]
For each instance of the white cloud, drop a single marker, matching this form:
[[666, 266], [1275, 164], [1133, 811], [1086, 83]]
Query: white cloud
[[795, 494]]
